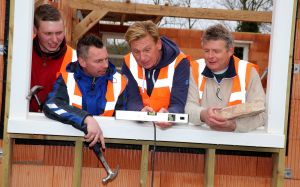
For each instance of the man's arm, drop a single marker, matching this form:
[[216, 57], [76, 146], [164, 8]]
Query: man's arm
[[192, 106], [180, 87], [255, 93], [134, 99], [57, 106]]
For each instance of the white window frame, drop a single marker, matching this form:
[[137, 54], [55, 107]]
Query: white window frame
[[245, 45], [22, 121]]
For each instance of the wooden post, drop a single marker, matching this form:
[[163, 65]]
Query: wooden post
[[278, 168], [7, 154], [144, 165], [210, 155], [7, 147], [77, 164]]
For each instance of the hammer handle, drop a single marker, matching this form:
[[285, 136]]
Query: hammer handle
[[100, 156]]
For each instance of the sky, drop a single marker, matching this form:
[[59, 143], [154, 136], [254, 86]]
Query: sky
[[201, 24]]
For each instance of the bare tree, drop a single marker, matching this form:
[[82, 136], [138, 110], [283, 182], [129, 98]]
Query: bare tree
[[179, 22], [251, 5]]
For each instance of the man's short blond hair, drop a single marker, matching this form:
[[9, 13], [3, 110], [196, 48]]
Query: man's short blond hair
[[141, 29]]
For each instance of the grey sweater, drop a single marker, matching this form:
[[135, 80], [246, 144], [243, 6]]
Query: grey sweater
[[255, 93]]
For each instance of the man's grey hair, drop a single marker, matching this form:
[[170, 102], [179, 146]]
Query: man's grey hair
[[218, 32]]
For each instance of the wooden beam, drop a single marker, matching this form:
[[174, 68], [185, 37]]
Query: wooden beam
[[157, 19], [77, 164], [144, 165], [278, 168], [123, 18], [40, 2], [114, 28], [172, 11], [88, 22], [7, 146], [6, 161], [210, 155]]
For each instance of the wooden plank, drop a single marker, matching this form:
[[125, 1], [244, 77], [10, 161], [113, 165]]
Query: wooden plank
[[292, 160], [173, 11], [6, 161], [40, 2], [2, 29], [209, 172], [1, 78], [144, 165], [278, 168], [77, 164], [88, 22], [1, 170], [123, 18], [194, 145], [157, 19], [46, 137], [67, 14], [7, 148]]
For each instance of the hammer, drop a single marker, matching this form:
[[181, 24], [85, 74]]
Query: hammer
[[111, 174], [33, 92]]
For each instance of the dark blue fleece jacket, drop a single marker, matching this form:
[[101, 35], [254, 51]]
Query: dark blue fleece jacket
[[180, 81], [93, 90]]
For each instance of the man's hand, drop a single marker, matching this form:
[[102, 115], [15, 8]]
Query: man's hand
[[163, 125], [229, 126], [94, 132], [147, 109], [215, 121]]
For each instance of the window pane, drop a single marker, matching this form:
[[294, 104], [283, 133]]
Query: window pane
[[117, 46]]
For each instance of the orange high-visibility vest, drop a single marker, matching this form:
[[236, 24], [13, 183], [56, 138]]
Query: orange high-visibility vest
[[160, 96], [113, 90], [70, 56], [240, 82]]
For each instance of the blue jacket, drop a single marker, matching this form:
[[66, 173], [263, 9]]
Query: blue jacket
[[93, 92], [180, 81]]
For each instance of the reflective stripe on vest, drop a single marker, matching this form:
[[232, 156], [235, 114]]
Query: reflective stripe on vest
[[240, 82], [200, 67], [160, 96], [114, 89], [70, 56]]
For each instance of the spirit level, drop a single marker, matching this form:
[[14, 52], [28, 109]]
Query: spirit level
[[152, 116]]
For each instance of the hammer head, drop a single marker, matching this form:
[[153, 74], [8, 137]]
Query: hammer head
[[111, 176], [33, 91]]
